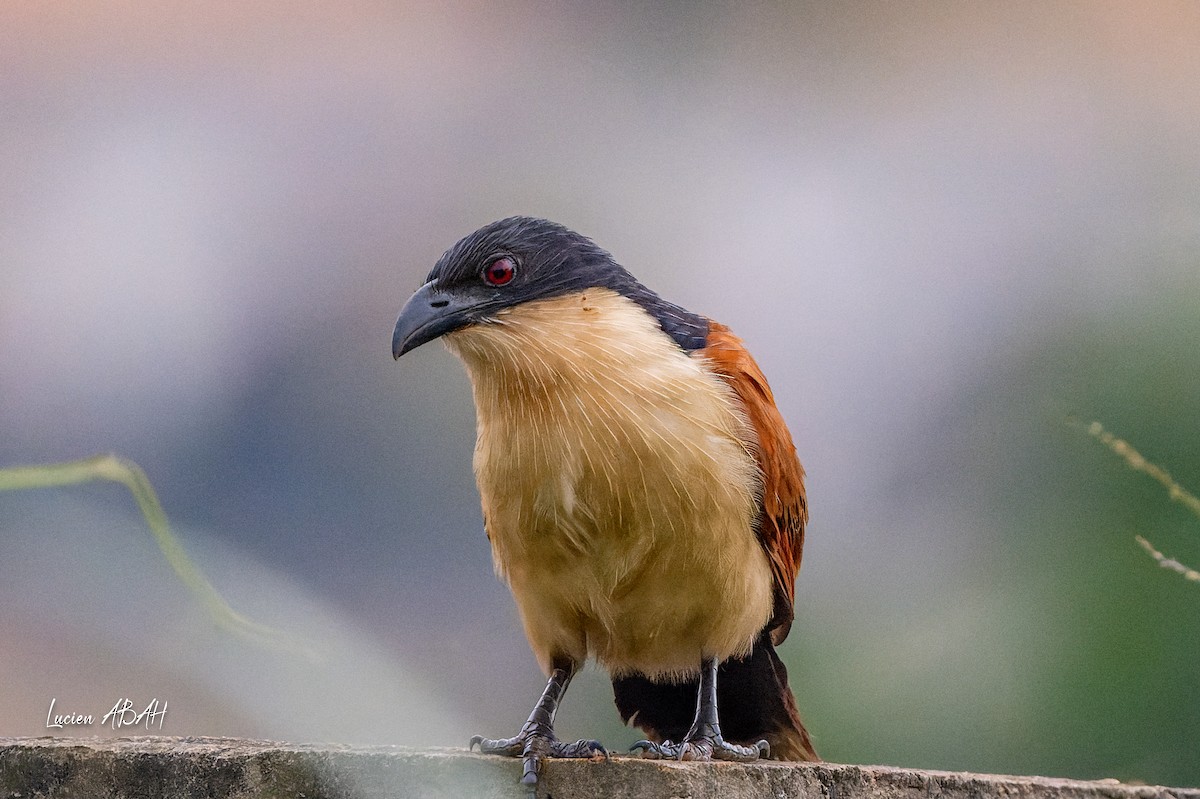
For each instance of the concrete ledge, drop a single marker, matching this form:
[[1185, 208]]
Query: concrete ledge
[[219, 768]]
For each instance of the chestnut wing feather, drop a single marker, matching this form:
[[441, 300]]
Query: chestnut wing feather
[[783, 510]]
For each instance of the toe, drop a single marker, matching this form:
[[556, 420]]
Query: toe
[[580, 748], [648, 749], [509, 747], [695, 750], [722, 750], [529, 772]]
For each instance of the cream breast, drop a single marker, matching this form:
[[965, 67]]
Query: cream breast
[[618, 484]]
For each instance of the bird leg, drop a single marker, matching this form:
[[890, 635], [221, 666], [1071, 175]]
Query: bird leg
[[703, 741], [536, 740]]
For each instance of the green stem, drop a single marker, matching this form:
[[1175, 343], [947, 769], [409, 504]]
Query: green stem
[[119, 470], [1136, 461]]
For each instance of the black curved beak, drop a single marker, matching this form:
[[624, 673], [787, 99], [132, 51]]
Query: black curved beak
[[428, 314]]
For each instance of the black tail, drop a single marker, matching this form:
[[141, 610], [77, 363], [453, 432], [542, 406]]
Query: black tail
[[753, 702]]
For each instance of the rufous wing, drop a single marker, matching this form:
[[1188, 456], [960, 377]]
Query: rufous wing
[[783, 511]]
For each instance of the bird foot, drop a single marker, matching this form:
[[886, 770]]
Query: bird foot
[[535, 743], [702, 747]]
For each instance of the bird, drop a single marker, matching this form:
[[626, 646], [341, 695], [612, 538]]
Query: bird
[[641, 493]]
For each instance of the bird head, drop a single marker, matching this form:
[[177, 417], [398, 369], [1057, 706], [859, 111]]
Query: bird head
[[518, 260]]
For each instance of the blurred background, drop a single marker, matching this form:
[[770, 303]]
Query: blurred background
[[943, 228]]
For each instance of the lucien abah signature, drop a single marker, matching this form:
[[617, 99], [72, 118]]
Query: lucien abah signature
[[124, 714]]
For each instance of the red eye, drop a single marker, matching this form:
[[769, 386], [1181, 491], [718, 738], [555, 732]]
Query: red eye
[[499, 272]]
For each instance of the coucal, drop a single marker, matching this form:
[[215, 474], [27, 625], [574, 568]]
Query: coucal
[[640, 491]]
